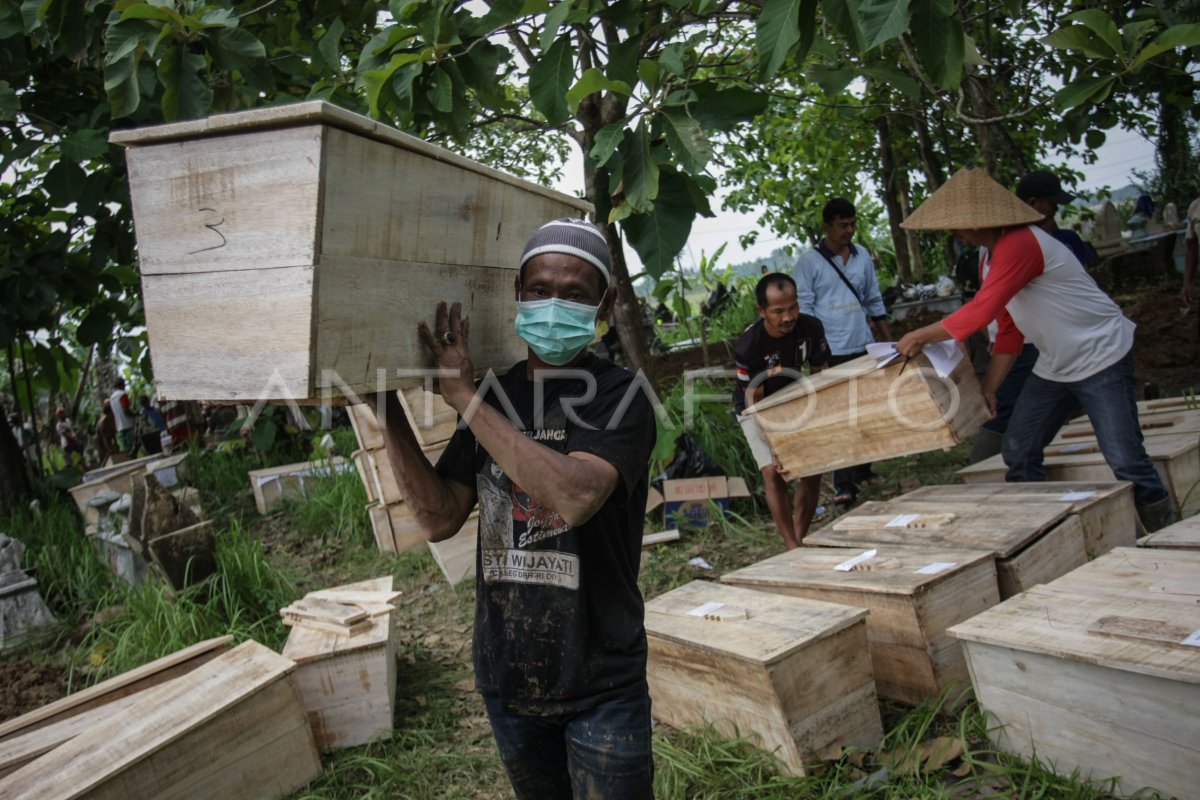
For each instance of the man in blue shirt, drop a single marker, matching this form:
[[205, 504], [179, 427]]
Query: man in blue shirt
[[835, 282], [1044, 193]]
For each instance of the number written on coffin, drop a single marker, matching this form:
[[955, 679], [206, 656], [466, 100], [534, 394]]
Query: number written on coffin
[[212, 226]]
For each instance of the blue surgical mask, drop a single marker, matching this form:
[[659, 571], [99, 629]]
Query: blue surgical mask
[[556, 330]]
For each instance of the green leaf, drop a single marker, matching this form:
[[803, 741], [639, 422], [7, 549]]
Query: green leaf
[[10, 104], [96, 327], [687, 141], [64, 182], [590, 82], [882, 20], [328, 45], [376, 80], [1134, 33], [263, 435], [1078, 92], [659, 236], [440, 91], [500, 14], [553, 21], [649, 74], [607, 140], [671, 58], [724, 109], [902, 83], [640, 173], [843, 15], [1102, 25], [1094, 138], [971, 54], [940, 43], [549, 80], [147, 11], [832, 80], [186, 93], [776, 32], [1172, 37], [122, 86], [83, 145], [623, 59], [1079, 38], [236, 48], [219, 18]]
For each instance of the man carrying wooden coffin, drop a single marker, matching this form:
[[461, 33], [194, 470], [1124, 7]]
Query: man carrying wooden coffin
[[1036, 289], [555, 454], [769, 356]]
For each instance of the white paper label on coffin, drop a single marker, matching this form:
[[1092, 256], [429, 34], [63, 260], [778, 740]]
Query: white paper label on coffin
[[936, 568], [1193, 640], [1072, 497], [851, 563], [902, 520], [707, 608]]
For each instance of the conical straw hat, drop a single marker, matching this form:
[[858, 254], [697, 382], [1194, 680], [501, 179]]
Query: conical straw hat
[[970, 199]]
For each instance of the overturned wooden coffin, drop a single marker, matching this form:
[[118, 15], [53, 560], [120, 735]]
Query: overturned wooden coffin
[[857, 412], [795, 673], [1175, 456], [1105, 509], [1098, 674], [289, 252], [913, 594], [232, 728], [1032, 542]]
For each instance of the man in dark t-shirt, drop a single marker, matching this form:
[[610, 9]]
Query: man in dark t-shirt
[[770, 355], [555, 452]]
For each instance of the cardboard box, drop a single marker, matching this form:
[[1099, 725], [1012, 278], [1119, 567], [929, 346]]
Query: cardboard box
[[691, 500]]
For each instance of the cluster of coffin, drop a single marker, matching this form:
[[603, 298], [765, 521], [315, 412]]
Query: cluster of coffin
[[1083, 647]]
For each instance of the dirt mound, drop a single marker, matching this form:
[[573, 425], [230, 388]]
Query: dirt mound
[[25, 686]]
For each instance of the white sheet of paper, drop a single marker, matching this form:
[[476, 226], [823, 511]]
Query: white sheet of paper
[[936, 567], [884, 353], [902, 520], [1071, 497], [851, 563], [699, 562], [944, 356], [1193, 640], [707, 608]]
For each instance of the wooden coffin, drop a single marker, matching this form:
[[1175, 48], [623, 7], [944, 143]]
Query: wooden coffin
[[913, 594], [375, 468], [1102, 684], [456, 556], [1105, 510], [395, 529], [274, 485], [348, 683], [231, 728], [1032, 542], [793, 672], [1183, 535], [431, 419], [1156, 576], [1159, 423], [31, 735], [1177, 459], [855, 413], [289, 252], [117, 478]]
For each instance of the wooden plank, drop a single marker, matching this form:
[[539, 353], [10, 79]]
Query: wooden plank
[[1105, 509], [274, 485], [1158, 576], [912, 593], [365, 425], [1162, 423], [19, 750], [381, 527], [127, 683], [1183, 535], [855, 413], [431, 417], [456, 556], [1060, 550], [1087, 717], [1177, 459], [363, 466], [324, 610], [231, 728], [660, 537], [972, 526]]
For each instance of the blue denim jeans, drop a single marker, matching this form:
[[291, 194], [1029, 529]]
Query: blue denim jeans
[[603, 753], [1110, 400]]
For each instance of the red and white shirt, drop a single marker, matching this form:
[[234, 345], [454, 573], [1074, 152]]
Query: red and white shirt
[[1036, 289]]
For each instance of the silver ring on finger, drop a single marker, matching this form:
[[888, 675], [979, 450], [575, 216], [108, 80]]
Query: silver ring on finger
[[447, 337]]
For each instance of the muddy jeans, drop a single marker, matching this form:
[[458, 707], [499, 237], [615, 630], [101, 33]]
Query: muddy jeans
[[603, 753]]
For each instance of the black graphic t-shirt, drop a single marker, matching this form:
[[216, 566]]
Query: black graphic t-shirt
[[757, 352], [558, 614]]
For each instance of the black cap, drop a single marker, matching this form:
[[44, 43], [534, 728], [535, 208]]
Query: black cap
[[1042, 184]]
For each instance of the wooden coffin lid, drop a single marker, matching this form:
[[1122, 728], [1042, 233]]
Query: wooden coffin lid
[[1154, 423], [319, 112], [824, 379], [1087, 451], [753, 626], [309, 644], [892, 570], [1131, 634], [1159, 576], [959, 525], [1040, 492], [316, 469], [1183, 534]]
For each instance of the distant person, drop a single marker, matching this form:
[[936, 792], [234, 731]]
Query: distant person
[[68, 440], [836, 283], [1043, 191], [1192, 241], [122, 411], [106, 434], [151, 426], [1034, 287], [769, 356]]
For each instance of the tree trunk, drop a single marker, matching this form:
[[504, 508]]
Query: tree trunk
[[83, 381], [935, 173], [1173, 155], [891, 199], [15, 489], [1002, 157]]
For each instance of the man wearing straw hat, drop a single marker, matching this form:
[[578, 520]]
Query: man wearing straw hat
[[1036, 289]]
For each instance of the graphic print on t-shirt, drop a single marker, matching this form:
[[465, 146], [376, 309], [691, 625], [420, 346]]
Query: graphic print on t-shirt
[[514, 527]]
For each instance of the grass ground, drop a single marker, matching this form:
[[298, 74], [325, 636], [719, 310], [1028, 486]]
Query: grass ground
[[442, 747]]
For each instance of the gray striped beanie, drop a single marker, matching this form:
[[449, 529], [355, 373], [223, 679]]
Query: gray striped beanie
[[574, 237]]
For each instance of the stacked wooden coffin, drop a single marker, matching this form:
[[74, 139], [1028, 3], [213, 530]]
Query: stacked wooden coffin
[[433, 422], [289, 252], [230, 727], [343, 642], [1099, 671], [859, 412], [793, 673]]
